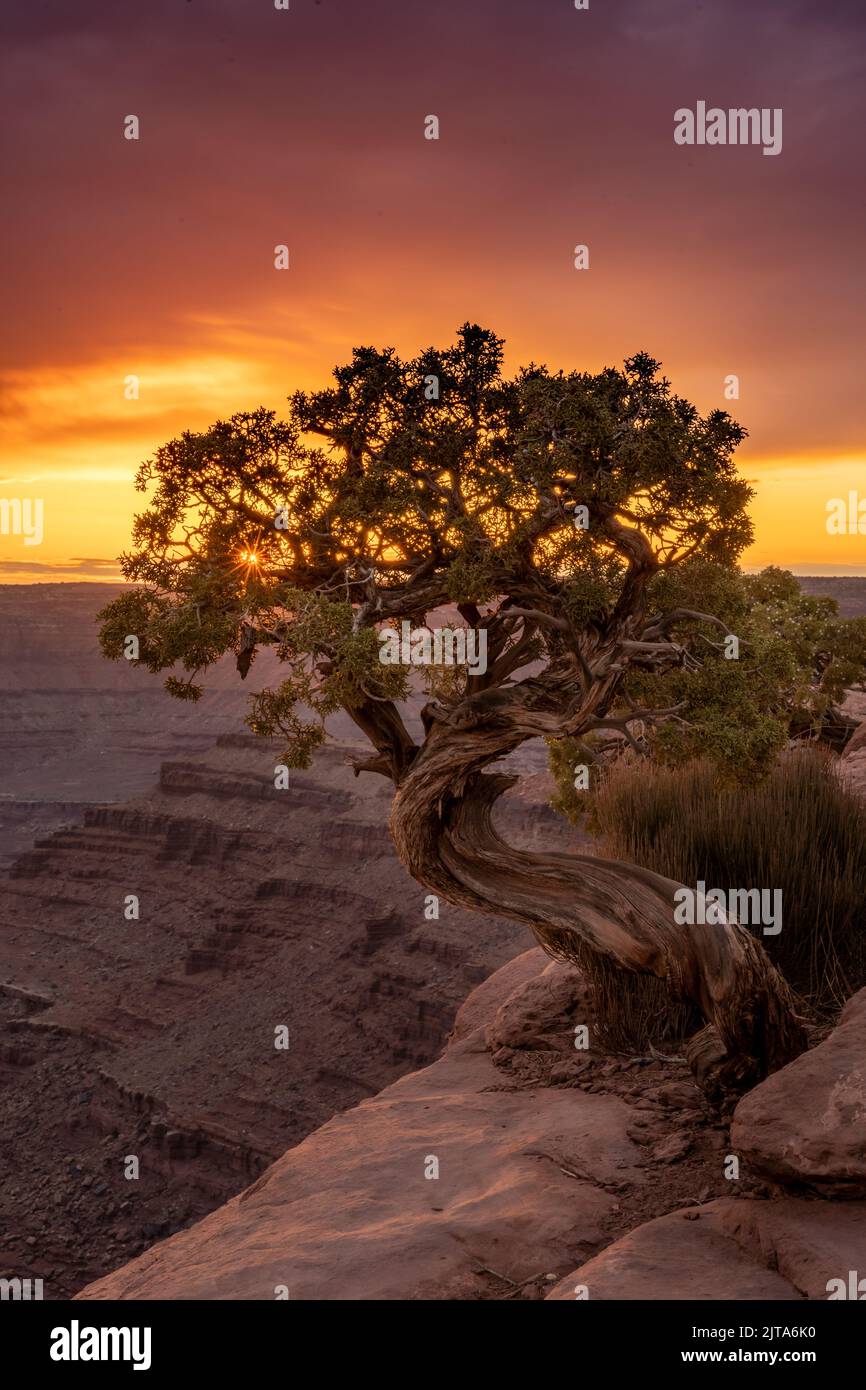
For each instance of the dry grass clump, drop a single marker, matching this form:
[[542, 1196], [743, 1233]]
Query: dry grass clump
[[801, 830]]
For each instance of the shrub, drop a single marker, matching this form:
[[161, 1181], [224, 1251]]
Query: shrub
[[801, 830]]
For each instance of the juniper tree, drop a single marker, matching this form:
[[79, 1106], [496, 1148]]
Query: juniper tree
[[544, 507], [795, 659]]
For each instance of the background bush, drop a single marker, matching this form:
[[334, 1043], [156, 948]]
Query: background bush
[[800, 830]]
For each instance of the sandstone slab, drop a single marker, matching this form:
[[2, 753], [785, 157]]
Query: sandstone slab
[[542, 1012], [350, 1213], [731, 1249], [806, 1124], [484, 1001]]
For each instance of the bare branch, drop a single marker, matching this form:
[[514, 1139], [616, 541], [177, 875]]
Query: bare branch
[[661, 626], [535, 615]]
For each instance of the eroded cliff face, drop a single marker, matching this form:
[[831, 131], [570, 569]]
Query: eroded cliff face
[[76, 729], [153, 1036]]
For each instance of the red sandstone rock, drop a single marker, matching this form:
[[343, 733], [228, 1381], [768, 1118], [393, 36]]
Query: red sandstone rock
[[543, 1012], [493, 991], [349, 1214], [730, 1249], [807, 1123]]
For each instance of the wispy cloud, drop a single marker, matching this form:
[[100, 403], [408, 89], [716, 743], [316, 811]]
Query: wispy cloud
[[75, 566]]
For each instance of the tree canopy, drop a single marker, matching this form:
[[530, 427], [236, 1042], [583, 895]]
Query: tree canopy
[[407, 485]]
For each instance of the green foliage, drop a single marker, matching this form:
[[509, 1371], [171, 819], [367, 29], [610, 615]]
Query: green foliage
[[184, 690], [275, 712], [801, 830], [590, 587], [376, 503], [332, 666], [564, 756], [471, 578], [823, 644], [796, 658]]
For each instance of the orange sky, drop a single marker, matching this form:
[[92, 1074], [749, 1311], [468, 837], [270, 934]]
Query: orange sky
[[155, 257]]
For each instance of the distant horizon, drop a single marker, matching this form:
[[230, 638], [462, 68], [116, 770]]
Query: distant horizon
[[19, 581]]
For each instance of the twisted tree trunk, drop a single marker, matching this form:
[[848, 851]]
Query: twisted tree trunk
[[442, 827]]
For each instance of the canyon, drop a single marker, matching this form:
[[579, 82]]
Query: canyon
[[262, 910], [258, 909]]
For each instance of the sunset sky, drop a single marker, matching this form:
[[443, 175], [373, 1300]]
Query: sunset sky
[[261, 126]]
